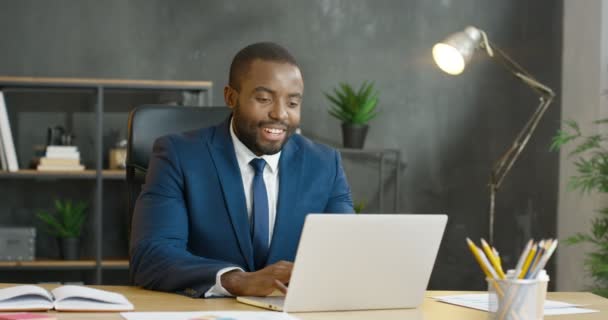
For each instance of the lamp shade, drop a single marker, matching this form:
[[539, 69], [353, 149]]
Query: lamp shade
[[452, 54]]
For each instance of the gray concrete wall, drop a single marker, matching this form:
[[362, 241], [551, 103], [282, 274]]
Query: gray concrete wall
[[450, 129], [584, 99]]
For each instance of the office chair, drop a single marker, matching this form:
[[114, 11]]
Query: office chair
[[148, 122]]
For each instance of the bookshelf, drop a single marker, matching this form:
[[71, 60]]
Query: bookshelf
[[85, 174], [192, 93], [118, 264]]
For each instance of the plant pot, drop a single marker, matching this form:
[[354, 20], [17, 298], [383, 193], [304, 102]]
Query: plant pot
[[70, 248], [353, 135]]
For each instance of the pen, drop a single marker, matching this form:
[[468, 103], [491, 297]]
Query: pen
[[544, 259], [539, 252]]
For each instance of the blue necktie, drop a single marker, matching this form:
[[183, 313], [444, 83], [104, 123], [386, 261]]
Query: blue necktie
[[259, 214]]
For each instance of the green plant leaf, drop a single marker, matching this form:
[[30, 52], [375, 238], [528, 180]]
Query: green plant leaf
[[68, 219], [591, 142], [353, 106]]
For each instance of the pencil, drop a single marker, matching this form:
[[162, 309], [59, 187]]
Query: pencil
[[493, 259], [531, 255]]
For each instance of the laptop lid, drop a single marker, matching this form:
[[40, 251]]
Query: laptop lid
[[364, 261]]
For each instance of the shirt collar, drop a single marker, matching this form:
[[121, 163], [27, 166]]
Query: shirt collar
[[244, 155]]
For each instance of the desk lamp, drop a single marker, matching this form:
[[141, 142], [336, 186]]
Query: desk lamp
[[452, 55]]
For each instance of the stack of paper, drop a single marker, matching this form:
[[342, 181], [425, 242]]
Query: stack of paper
[[61, 158], [481, 302]]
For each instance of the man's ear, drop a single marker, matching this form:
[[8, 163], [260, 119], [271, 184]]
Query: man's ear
[[230, 97]]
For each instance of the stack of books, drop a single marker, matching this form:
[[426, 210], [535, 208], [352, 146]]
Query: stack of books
[[61, 158]]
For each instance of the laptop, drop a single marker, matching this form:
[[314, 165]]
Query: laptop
[[360, 262]]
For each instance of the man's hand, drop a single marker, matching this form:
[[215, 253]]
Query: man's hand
[[259, 283]]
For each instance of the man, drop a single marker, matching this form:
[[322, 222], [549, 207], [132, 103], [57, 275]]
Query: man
[[222, 209]]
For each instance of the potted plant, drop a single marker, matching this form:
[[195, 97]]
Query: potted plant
[[592, 167], [354, 109], [66, 225]]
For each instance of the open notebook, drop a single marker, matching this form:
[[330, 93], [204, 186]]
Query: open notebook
[[64, 298]]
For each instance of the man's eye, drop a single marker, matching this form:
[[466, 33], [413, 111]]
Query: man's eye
[[294, 104], [262, 99]]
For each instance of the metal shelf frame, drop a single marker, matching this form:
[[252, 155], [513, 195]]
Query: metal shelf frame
[[383, 156], [200, 90]]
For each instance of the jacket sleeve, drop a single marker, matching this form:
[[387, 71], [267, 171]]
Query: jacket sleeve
[[340, 200], [160, 259]]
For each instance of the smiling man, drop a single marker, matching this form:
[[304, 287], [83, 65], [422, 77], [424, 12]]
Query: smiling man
[[222, 209]]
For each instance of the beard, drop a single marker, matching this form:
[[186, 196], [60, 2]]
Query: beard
[[249, 133]]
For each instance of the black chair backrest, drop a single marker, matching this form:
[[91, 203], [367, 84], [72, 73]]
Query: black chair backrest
[[149, 122]]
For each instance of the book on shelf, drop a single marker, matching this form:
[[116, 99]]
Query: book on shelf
[[64, 298], [3, 163], [59, 154], [8, 147], [60, 158], [49, 167], [54, 155], [45, 161], [61, 149]]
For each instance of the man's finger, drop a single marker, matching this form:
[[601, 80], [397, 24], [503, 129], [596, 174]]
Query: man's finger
[[279, 285]]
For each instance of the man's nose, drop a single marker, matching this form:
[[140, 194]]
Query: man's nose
[[279, 111]]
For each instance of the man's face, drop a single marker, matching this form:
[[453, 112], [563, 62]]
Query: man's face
[[266, 108]]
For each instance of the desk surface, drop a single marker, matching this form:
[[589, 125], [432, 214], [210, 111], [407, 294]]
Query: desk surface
[[145, 300]]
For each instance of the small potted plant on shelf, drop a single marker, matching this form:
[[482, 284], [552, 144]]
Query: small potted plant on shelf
[[66, 224], [592, 167], [354, 109]]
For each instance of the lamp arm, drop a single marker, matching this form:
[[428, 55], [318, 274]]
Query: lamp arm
[[504, 164], [518, 71]]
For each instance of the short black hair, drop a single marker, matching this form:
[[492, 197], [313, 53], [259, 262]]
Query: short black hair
[[267, 51]]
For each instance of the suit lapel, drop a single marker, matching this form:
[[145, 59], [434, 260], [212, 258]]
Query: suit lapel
[[290, 170], [224, 158]]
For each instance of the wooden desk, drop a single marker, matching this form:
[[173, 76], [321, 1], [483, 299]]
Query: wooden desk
[[145, 300]]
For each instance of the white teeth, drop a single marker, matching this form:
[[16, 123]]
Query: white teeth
[[273, 130]]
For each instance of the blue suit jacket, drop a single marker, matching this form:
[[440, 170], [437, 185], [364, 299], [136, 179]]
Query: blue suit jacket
[[191, 219]]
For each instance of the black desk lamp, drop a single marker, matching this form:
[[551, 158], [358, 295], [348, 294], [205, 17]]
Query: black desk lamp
[[452, 55]]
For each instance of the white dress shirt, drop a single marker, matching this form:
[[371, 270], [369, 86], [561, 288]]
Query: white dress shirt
[[271, 180]]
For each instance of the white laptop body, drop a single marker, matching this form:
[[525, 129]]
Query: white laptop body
[[360, 262]]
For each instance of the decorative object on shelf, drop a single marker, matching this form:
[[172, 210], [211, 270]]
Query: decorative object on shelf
[[355, 109], [60, 158], [118, 155], [58, 136], [592, 166], [66, 224], [17, 244], [451, 56]]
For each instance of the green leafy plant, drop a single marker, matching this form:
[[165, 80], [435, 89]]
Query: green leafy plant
[[67, 220], [592, 167], [354, 107], [359, 206]]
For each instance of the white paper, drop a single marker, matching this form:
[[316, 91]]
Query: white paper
[[25, 297], [208, 315], [75, 298], [481, 302], [84, 298]]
